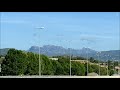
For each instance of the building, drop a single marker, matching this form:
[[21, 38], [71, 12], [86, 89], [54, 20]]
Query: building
[[53, 58], [81, 61], [117, 67]]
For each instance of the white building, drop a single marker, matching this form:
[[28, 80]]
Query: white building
[[117, 67], [53, 58]]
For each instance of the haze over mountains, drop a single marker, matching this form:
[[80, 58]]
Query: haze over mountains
[[52, 50]]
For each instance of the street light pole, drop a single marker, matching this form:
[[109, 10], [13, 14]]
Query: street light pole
[[70, 57], [39, 52], [87, 61], [59, 43], [107, 64], [113, 65], [118, 67], [70, 62], [99, 61], [88, 43]]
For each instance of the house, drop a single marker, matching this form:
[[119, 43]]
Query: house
[[117, 67]]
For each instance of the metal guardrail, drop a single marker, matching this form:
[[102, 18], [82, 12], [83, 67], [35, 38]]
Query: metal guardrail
[[60, 76]]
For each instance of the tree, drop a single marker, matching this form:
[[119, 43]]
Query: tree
[[65, 63], [103, 71], [116, 63], [9, 64], [58, 69], [90, 69], [46, 65], [32, 64], [111, 72], [18, 62], [91, 58], [77, 69], [95, 68]]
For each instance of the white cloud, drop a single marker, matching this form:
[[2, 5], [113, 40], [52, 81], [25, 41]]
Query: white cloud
[[93, 38]]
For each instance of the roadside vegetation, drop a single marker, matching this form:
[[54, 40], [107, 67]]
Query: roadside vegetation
[[18, 62]]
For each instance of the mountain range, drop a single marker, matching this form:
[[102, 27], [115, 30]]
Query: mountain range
[[52, 50]]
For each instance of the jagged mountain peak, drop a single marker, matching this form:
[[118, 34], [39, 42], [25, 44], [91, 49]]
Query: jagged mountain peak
[[53, 50]]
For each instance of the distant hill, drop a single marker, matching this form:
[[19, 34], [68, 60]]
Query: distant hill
[[52, 50], [4, 51], [113, 54]]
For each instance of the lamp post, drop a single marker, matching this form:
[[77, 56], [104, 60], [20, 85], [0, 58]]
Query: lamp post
[[88, 42], [39, 51], [69, 54], [86, 54], [99, 62], [113, 65], [70, 61], [107, 63], [87, 62], [118, 66], [98, 54], [59, 40], [68, 41]]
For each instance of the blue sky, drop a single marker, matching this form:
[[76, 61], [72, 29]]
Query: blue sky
[[96, 30]]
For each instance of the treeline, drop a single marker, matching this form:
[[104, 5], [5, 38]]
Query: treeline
[[17, 62]]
